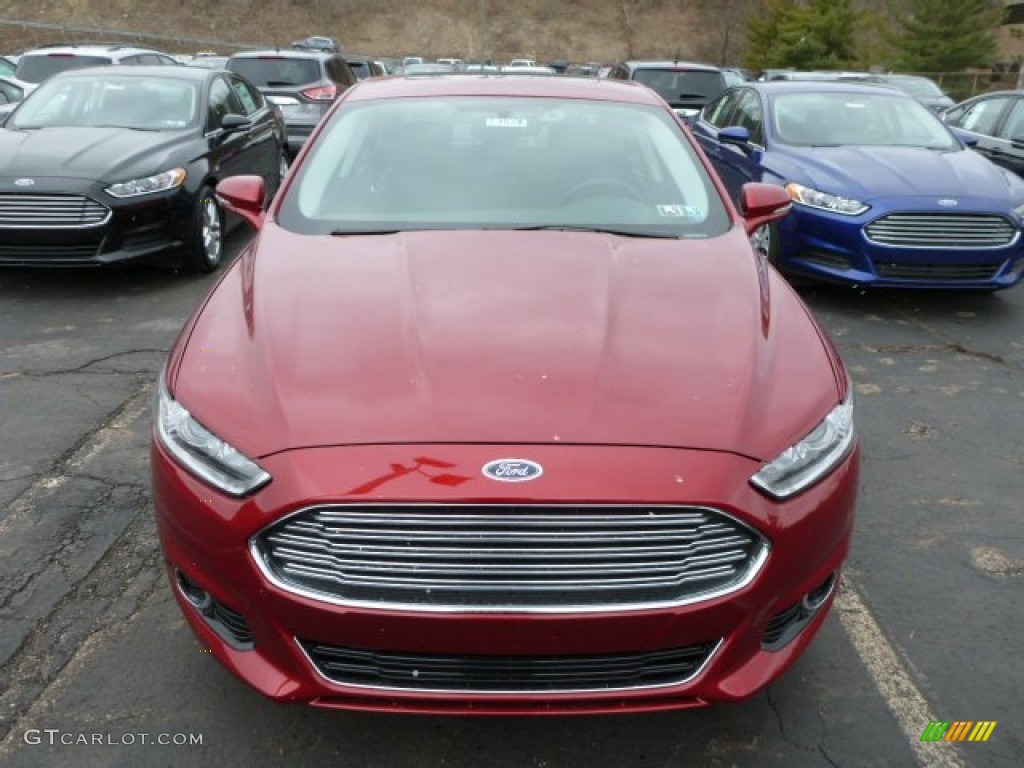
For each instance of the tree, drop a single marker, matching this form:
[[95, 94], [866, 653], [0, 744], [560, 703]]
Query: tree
[[944, 36], [813, 34], [723, 30]]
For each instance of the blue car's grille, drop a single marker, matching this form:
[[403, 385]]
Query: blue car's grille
[[942, 231], [938, 271]]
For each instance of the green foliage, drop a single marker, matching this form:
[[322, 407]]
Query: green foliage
[[805, 34], [945, 36]]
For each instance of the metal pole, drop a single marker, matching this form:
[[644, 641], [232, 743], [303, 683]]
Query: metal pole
[[482, 28]]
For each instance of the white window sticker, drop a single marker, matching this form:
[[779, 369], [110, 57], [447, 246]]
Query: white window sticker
[[681, 211], [507, 122]]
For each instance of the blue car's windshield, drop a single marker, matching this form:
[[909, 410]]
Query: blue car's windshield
[[834, 119]]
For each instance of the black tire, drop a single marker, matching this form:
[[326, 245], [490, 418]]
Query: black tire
[[205, 248], [284, 162], [766, 239]]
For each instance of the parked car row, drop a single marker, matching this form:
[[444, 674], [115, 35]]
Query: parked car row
[[841, 155]]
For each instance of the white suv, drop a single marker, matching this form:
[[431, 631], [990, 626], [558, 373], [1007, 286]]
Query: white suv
[[38, 64]]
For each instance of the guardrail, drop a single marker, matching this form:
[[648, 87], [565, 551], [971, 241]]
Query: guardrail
[[70, 31]]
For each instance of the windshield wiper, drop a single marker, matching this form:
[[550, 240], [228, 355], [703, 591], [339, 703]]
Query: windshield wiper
[[280, 83], [598, 230], [343, 232]]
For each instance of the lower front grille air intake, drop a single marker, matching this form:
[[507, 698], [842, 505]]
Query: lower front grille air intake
[[507, 674]]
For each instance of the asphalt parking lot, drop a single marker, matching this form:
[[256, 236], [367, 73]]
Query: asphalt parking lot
[[97, 666]]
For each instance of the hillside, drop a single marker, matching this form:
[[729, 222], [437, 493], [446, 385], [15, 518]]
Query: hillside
[[543, 29]]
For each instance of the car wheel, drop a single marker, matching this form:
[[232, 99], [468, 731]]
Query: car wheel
[[283, 164], [206, 246], [766, 240]]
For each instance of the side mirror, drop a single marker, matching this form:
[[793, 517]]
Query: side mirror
[[735, 134], [232, 123], [966, 138], [243, 196], [761, 204]]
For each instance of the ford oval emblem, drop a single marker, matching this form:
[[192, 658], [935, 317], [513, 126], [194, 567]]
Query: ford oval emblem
[[513, 470], [948, 202], [24, 182]]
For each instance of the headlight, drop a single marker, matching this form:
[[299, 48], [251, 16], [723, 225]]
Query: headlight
[[801, 465], [824, 200], [159, 182], [202, 452]]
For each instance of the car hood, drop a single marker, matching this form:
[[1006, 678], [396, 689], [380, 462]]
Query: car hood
[[872, 173], [104, 154], [504, 337]]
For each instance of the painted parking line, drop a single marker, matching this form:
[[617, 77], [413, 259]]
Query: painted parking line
[[892, 679]]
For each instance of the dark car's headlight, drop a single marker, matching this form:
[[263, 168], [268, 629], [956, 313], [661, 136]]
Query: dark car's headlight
[[158, 182], [827, 202], [202, 452], [805, 463]]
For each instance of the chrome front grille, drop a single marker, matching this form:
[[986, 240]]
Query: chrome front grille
[[507, 558], [51, 212], [942, 230]]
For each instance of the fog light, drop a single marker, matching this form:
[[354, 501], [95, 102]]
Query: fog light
[[195, 594], [813, 600]]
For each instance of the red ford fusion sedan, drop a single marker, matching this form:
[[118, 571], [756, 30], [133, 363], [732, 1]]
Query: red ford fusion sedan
[[502, 413]]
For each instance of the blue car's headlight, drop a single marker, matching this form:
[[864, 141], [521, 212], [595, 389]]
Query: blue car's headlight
[[817, 199], [202, 452], [806, 462]]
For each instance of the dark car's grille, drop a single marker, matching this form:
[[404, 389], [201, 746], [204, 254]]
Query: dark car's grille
[[942, 230], [503, 674], [937, 271], [544, 558], [50, 212], [47, 254]]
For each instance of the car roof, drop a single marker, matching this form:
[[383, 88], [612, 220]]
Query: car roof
[[670, 64], [472, 84], [289, 53], [823, 86], [90, 48], [197, 74]]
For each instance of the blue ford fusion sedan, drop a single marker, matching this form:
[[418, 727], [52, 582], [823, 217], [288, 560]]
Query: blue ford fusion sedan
[[884, 193]]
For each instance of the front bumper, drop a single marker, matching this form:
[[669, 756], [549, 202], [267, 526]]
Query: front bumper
[[150, 227], [834, 248], [206, 541]]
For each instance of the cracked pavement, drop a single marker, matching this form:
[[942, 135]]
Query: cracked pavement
[[91, 640]]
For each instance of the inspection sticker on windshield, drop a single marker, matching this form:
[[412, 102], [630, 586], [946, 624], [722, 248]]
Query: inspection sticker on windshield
[[681, 211], [507, 122]]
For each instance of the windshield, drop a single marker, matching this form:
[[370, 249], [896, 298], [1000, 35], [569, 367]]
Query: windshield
[[122, 101], [34, 68], [276, 71], [674, 86], [503, 163], [832, 119]]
